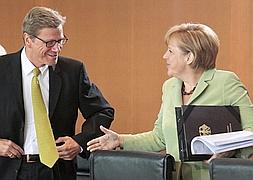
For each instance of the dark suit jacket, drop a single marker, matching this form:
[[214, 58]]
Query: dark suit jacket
[[69, 90]]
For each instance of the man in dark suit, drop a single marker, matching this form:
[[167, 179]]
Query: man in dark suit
[[65, 88]]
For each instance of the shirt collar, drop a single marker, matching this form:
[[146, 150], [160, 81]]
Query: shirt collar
[[27, 66]]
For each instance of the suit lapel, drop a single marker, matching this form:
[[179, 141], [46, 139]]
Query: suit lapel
[[202, 84], [15, 73], [55, 84]]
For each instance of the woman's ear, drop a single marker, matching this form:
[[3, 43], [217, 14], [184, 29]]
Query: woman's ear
[[190, 58]]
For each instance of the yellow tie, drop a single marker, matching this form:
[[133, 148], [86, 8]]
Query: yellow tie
[[45, 138]]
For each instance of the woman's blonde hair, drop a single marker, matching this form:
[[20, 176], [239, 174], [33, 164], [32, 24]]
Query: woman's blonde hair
[[199, 39]]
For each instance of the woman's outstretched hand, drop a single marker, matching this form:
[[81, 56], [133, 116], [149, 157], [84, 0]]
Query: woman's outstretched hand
[[109, 141]]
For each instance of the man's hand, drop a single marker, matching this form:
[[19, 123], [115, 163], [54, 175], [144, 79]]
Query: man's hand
[[68, 149], [10, 149]]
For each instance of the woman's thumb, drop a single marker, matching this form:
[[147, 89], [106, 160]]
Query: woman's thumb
[[104, 130]]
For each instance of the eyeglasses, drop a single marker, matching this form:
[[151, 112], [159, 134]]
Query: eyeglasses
[[51, 43]]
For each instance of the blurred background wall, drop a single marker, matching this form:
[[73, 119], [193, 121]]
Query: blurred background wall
[[121, 43]]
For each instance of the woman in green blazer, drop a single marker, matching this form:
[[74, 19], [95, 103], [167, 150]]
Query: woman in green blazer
[[190, 59]]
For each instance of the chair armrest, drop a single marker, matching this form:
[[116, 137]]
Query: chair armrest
[[231, 168], [125, 165]]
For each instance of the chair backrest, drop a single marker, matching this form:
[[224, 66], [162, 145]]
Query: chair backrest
[[83, 169], [129, 165], [231, 168]]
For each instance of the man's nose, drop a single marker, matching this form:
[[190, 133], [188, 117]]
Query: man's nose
[[57, 47]]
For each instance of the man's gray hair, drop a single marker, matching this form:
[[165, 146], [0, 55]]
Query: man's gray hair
[[41, 17]]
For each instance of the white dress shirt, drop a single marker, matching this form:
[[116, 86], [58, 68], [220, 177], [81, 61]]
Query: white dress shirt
[[30, 143]]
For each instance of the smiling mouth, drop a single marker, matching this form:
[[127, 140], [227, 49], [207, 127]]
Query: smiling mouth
[[53, 55]]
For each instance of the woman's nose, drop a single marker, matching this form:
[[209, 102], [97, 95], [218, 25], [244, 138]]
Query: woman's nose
[[165, 56]]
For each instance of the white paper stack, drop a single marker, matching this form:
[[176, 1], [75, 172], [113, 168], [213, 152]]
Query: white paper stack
[[217, 143]]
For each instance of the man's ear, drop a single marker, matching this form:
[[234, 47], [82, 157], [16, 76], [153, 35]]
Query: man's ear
[[27, 40], [190, 58]]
